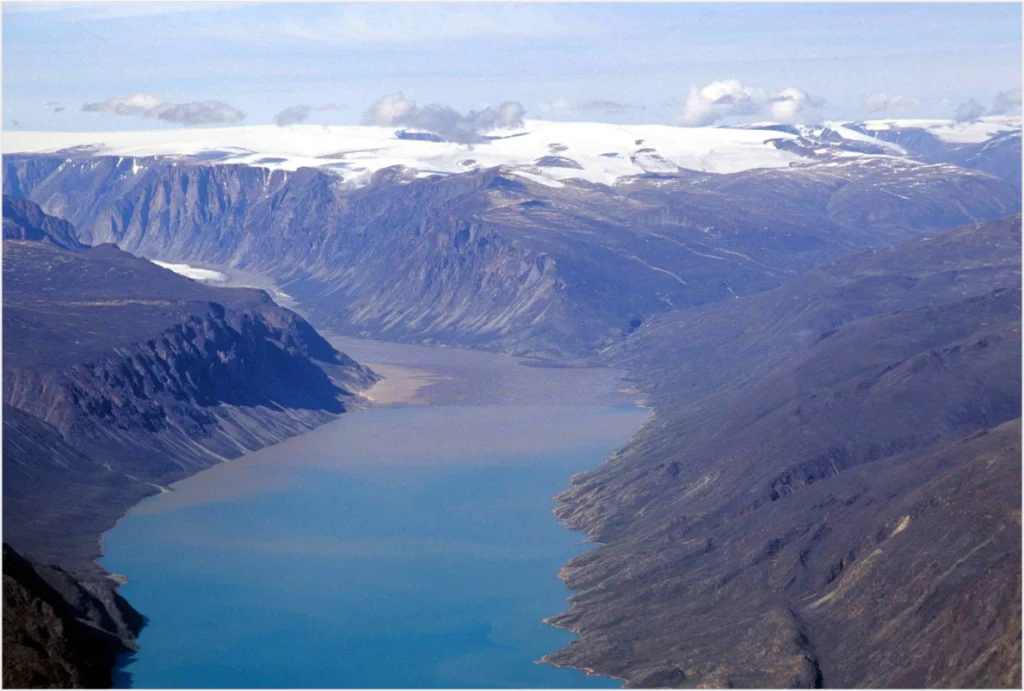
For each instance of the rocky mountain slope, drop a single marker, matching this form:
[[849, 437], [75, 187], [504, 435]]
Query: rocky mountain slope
[[58, 634], [121, 377], [829, 494], [504, 259]]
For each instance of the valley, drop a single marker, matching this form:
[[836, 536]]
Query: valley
[[416, 533], [827, 332]]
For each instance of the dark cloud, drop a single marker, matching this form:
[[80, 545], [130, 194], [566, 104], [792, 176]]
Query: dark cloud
[[394, 110], [969, 111], [293, 115], [1006, 102], [296, 115], [200, 113], [147, 106]]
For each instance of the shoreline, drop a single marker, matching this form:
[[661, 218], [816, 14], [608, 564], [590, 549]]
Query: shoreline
[[409, 385], [401, 385]]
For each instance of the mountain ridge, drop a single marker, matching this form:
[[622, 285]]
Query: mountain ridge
[[809, 445]]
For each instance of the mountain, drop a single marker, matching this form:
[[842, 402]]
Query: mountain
[[829, 492], [504, 258], [990, 145], [121, 377], [24, 220], [550, 151]]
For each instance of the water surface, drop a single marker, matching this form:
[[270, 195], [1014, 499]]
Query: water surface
[[409, 547]]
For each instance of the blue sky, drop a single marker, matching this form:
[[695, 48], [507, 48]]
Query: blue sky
[[561, 61]]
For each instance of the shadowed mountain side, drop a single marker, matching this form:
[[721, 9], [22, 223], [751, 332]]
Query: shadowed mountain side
[[121, 377], [56, 633], [829, 492], [24, 220], [151, 374], [494, 260]]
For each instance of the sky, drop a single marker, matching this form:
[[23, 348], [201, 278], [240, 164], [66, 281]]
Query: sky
[[117, 66]]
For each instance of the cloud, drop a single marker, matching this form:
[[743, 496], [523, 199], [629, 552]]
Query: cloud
[[969, 111], [147, 106], [722, 99], [789, 105], [730, 98], [298, 114], [880, 103], [1006, 102], [395, 110], [139, 105]]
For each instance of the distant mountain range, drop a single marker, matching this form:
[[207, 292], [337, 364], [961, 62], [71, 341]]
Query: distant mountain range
[[546, 151], [500, 258]]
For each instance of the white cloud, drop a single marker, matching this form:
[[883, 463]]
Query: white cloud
[[148, 106], [731, 98], [789, 105], [881, 102]]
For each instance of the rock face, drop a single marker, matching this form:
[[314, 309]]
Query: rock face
[[58, 634], [121, 377], [829, 492], [495, 260]]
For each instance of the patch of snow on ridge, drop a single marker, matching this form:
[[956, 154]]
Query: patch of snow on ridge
[[355, 152], [953, 132], [195, 273]]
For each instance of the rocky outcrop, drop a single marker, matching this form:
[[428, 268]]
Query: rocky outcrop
[[56, 632]]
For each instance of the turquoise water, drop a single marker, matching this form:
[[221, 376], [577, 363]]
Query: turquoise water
[[359, 557]]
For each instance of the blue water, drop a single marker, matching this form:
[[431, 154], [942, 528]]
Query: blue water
[[337, 560]]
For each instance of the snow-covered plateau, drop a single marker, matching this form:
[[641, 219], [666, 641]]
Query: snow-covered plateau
[[542, 151]]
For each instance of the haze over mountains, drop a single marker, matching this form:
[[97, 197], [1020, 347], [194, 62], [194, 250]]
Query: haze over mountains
[[825, 320]]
